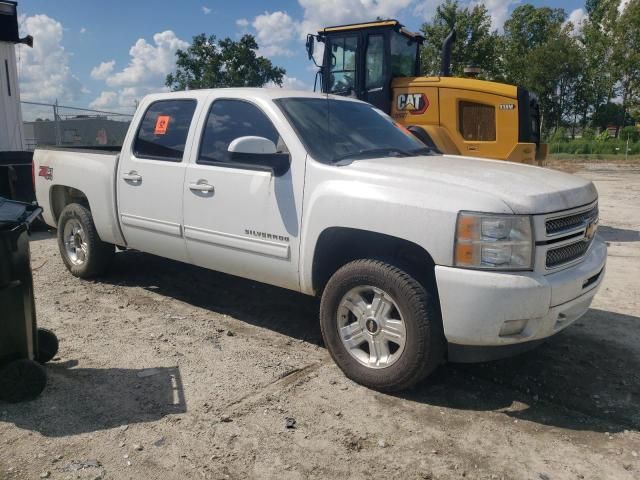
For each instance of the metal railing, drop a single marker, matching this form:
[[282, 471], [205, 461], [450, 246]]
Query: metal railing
[[61, 125]]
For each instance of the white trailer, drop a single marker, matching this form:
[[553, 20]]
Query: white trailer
[[11, 130]]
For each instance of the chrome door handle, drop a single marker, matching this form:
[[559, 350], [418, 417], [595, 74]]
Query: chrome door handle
[[132, 177], [201, 187]]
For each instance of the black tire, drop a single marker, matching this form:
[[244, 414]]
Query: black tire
[[21, 381], [99, 254], [47, 345], [424, 344]]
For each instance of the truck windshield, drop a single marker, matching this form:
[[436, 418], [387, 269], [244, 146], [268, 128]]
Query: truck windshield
[[339, 130]]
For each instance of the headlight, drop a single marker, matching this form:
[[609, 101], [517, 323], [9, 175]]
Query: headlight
[[500, 242]]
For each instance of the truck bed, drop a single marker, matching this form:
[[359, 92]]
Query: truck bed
[[105, 149], [86, 173]]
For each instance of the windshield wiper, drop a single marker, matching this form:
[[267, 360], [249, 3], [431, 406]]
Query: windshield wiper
[[421, 151], [387, 151]]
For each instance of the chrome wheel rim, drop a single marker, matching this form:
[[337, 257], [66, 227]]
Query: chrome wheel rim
[[371, 327], [75, 242]]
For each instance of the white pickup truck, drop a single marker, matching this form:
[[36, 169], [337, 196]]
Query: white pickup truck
[[418, 257]]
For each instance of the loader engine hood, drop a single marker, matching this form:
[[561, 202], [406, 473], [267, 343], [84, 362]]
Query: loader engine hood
[[525, 189]]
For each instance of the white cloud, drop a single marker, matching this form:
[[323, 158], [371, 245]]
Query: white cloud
[[622, 5], [145, 73], [149, 63], [83, 30], [324, 13], [425, 9], [498, 9], [576, 18], [291, 83], [103, 70], [125, 99], [44, 70], [206, 10], [278, 33], [105, 100], [274, 32]]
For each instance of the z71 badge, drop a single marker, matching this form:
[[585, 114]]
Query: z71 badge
[[45, 172], [412, 103]]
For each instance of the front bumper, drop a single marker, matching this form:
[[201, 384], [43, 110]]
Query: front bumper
[[476, 304]]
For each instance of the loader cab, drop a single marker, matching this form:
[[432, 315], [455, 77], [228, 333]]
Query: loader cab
[[360, 60]]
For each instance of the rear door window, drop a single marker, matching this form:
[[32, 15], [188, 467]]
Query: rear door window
[[162, 134]]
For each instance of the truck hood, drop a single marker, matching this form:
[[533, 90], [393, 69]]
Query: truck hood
[[524, 188]]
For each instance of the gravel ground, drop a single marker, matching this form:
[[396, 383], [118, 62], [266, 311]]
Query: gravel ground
[[170, 371]]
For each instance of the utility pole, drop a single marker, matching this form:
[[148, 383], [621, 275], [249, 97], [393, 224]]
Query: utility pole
[[626, 150], [56, 119]]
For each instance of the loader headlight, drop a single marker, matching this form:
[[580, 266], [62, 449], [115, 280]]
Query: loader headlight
[[498, 242]]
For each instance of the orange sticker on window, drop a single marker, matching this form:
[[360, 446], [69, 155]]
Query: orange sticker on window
[[162, 123]]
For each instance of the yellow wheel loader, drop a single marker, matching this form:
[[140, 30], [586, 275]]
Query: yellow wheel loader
[[379, 62]]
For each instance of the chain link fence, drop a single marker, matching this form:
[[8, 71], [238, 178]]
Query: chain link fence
[[60, 125]]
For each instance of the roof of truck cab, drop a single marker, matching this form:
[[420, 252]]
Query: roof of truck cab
[[245, 92]]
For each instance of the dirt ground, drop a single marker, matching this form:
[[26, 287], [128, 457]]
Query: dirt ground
[[168, 371]]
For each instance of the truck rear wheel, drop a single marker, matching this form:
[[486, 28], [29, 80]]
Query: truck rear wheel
[[81, 249], [381, 326]]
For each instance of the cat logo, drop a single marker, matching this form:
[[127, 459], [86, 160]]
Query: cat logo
[[507, 106], [413, 103]]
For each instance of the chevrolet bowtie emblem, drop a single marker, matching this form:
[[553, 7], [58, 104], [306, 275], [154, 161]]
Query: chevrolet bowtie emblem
[[590, 231]]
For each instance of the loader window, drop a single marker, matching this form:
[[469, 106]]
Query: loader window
[[404, 52], [477, 122], [374, 77], [342, 58]]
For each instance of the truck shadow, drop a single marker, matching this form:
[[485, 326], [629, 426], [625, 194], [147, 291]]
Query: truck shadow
[[614, 234], [585, 378], [74, 400]]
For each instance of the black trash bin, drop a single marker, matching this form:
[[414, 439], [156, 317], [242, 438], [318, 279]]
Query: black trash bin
[[23, 347]]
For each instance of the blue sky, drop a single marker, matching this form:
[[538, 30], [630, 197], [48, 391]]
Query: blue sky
[[107, 54]]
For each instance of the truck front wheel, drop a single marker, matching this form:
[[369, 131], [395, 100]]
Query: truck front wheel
[[81, 249], [381, 326]]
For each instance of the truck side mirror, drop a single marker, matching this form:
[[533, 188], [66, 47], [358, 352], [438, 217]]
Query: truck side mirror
[[252, 145], [259, 152]]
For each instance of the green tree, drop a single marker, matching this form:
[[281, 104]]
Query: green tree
[[207, 63], [541, 54], [476, 43], [597, 39], [607, 114], [626, 56]]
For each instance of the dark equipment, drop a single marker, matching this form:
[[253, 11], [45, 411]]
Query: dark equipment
[[16, 176], [23, 347]]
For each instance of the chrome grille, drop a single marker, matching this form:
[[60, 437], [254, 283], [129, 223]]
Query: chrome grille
[[559, 225], [567, 253]]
